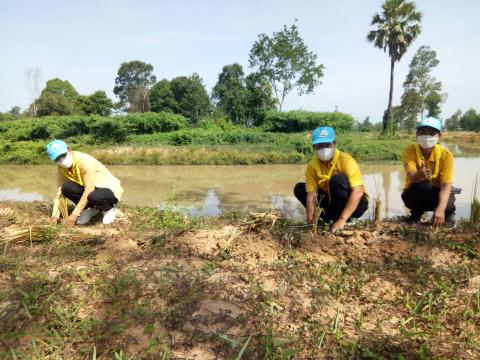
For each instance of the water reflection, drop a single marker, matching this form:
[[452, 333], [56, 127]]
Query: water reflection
[[462, 148], [18, 195], [212, 190]]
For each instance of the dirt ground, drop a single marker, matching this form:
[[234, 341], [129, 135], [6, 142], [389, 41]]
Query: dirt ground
[[159, 285]]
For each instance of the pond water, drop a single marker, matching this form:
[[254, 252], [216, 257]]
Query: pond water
[[212, 190]]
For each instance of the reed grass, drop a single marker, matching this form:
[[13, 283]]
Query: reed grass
[[377, 207], [475, 205]]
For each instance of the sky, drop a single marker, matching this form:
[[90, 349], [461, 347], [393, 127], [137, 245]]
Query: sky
[[85, 42]]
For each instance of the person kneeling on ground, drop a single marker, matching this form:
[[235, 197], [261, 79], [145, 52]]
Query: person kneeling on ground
[[429, 175], [85, 181], [333, 181]]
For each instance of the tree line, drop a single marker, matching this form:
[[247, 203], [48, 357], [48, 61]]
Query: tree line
[[280, 64]]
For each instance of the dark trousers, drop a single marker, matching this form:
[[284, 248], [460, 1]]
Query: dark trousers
[[422, 196], [339, 191], [102, 199]]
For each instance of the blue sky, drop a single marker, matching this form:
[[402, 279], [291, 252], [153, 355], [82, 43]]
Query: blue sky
[[85, 41]]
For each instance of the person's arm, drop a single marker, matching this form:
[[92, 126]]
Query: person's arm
[[56, 202], [311, 205], [352, 203], [438, 217]]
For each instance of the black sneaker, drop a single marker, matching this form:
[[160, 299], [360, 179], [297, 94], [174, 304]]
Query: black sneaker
[[450, 222], [413, 218]]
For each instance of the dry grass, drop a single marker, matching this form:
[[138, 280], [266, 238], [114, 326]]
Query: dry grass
[[63, 205], [40, 233], [268, 218], [30, 234]]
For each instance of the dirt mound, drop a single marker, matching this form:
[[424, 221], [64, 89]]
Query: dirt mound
[[160, 285]]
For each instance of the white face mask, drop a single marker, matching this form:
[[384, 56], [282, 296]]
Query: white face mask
[[325, 154], [427, 141], [66, 162]]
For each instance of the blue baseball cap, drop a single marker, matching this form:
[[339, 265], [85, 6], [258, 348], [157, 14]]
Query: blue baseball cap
[[429, 121], [56, 148], [324, 134]]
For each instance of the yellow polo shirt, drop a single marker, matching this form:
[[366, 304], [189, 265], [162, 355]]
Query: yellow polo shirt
[[90, 173], [412, 163], [345, 164]]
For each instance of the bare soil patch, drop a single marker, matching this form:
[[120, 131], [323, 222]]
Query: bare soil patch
[[164, 286]]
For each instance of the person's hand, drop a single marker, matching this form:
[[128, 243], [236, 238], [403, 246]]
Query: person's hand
[[72, 220], [438, 218], [54, 220], [425, 173], [337, 225]]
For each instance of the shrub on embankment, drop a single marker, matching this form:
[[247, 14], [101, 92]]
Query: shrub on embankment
[[112, 129], [165, 138], [296, 121]]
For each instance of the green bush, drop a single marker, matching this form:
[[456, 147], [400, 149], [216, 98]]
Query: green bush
[[22, 152], [39, 132], [180, 138], [76, 127], [64, 127], [216, 124], [149, 123], [109, 130], [296, 121]]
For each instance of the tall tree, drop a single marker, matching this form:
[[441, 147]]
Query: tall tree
[[453, 122], [131, 76], [15, 110], [191, 96], [260, 98], [366, 125], [470, 120], [230, 93], [410, 107], [141, 100], [420, 84], [49, 104], [98, 103], [59, 87], [162, 97], [285, 61], [433, 101], [59, 97], [396, 27]]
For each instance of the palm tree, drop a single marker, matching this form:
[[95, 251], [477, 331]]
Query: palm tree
[[397, 26]]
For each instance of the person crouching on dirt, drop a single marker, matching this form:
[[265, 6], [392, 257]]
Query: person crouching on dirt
[[333, 181], [429, 175], [85, 181]]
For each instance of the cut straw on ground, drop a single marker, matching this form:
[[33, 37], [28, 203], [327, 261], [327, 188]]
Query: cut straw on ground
[[39, 234]]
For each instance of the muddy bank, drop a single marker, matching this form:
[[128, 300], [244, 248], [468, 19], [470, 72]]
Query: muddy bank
[[159, 284]]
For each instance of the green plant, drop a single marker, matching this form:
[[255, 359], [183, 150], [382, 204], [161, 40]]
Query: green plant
[[121, 356], [115, 289], [475, 205], [109, 130], [273, 345], [296, 121], [236, 343]]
